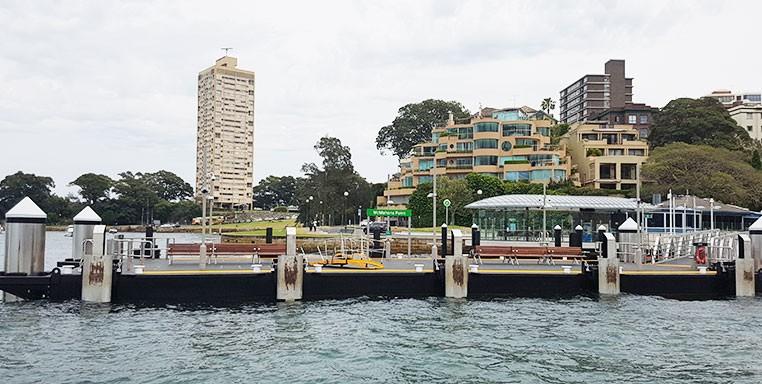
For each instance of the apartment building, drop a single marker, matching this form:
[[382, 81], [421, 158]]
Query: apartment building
[[640, 116], [510, 143], [605, 156], [749, 117], [593, 94], [225, 134], [730, 99]]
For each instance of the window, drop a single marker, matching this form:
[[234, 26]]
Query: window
[[525, 143], [485, 160], [749, 128], [464, 147], [616, 152], [636, 152], [643, 119], [517, 130], [485, 143], [632, 119], [424, 179], [407, 182], [486, 127], [425, 165]]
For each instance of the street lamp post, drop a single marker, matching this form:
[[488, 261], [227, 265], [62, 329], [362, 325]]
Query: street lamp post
[[479, 196], [344, 209]]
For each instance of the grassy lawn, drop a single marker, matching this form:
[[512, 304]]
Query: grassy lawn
[[277, 225], [439, 229], [259, 228]]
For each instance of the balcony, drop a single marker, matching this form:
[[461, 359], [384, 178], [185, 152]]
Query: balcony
[[460, 166]]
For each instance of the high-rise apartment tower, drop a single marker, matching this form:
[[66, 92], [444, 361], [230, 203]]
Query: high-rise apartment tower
[[225, 135]]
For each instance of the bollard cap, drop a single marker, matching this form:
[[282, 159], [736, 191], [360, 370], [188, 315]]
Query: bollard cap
[[87, 216], [602, 227], [629, 225], [26, 211], [557, 227], [444, 225], [474, 226], [578, 228]]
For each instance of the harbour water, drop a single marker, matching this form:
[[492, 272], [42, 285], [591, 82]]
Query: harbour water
[[581, 340]]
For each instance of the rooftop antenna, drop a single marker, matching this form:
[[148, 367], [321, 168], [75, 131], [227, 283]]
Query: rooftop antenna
[[226, 49]]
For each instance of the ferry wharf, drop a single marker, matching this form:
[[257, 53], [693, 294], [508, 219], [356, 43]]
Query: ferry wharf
[[111, 270]]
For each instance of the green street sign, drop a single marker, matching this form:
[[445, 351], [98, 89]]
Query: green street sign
[[389, 212], [447, 203]]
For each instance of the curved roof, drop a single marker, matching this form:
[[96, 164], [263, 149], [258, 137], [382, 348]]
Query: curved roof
[[558, 203]]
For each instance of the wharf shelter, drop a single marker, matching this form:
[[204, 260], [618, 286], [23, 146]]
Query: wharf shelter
[[692, 213], [520, 217]]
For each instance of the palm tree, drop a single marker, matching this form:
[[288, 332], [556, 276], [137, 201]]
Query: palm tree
[[548, 105]]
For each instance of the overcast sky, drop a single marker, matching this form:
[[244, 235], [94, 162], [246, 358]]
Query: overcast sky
[[107, 86]]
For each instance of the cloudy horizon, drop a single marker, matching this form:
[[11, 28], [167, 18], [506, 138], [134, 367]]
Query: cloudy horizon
[[107, 87]]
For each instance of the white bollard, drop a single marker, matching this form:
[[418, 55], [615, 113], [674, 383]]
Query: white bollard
[[24, 240], [202, 256], [456, 276], [608, 267], [755, 234], [457, 236], [745, 271], [97, 270], [84, 223], [290, 277], [291, 241], [628, 237]]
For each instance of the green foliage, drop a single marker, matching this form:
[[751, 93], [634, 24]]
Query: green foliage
[[557, 131], [273, 190], [594, 152], [705, 170], [14, 187], [93, 187], [140, 197], [414, 123], [490, 185], [328, 184], [548, 105], [168, 186], [755, 160], [697, 121]]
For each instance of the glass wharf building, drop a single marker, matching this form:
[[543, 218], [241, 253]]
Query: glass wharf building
[[511, 144]]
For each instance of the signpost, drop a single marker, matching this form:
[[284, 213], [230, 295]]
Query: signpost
[[447, 203], [376, 212]]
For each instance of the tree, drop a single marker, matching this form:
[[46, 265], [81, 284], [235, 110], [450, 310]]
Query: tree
[[15, 187], [707, 171], [328, 185], [136, 197], [93, 187], [489, 185], [548, 105], [414, 123], [168, 186], [273, 191], [557, 131], [755, 160], [697, 121]]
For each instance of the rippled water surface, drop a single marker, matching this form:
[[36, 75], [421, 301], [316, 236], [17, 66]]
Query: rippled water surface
[[629, 339]]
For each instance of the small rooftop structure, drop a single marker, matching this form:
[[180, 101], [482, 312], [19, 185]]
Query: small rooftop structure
[[559, 203]]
